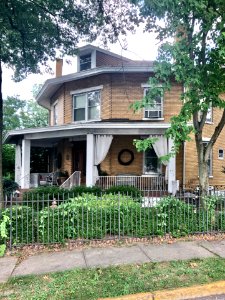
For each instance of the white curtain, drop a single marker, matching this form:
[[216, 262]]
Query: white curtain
[[101, 148], [161, 149]]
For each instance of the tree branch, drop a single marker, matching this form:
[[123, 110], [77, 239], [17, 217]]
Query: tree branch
[[195, 121]]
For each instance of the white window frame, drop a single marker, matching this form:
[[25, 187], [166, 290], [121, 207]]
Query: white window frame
[[160, 112], [209, 116], [210, 172], [55, 113], [222, 152], [87, 55], [85, 92]]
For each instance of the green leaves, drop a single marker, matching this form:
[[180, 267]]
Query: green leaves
[[34, 32]]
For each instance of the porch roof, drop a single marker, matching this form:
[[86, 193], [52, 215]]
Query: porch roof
[[56, 133]]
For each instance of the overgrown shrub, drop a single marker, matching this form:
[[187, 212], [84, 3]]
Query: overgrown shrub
[[9, 185], [220, 221], [175, 217], [89, 216], [79, 190], [134, 192], [41, 197], [23, 223]]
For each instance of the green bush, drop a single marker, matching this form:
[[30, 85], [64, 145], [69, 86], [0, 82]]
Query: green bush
[[220, 221], [9, 185], [89, 216], [175, 217], [134, 192], [41, 197], [92, 217], [79, 190], [23, 224], [47, 192]]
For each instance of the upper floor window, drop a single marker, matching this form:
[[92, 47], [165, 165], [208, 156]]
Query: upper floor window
[[210, 161], [85, 62], [153, 110], [209, 116], [86, 106], [220, 154], [55, 113]]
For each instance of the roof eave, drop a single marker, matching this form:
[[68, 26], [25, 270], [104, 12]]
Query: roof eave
[[43, 97]]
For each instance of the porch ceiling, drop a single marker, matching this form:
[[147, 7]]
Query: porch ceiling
[[52, 134]]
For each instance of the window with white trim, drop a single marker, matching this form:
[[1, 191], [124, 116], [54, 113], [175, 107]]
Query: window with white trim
[[55, 113], [86, 106], [209, 116], [220, 154], [85, 62], [152, 164], [155, 109], [210, 161]]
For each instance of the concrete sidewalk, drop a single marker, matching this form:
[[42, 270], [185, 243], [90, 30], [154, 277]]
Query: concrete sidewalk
[[103, 257]]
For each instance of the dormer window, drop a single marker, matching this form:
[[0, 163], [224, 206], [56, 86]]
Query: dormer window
[[85, 62]]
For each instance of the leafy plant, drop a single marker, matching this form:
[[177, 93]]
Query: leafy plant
[[3, 233], [175, 217], [90, 216], [126, 190], [9, 185]]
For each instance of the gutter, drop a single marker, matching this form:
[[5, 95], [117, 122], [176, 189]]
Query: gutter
[[58, 81]]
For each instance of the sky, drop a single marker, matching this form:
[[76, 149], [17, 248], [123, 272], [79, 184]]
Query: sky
[[140, 46]]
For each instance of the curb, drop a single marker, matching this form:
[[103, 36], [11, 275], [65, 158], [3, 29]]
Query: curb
[[215, 288]]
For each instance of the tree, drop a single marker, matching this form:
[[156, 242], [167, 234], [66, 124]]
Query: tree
[[17, 114], [34, 31], [192, 51]]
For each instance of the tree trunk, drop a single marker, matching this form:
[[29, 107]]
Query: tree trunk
[[202, 168], [203, 178], [1, 130]]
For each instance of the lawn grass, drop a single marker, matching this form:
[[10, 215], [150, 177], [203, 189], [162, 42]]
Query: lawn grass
[[114, 281]]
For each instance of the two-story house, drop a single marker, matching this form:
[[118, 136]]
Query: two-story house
[[91, 127]]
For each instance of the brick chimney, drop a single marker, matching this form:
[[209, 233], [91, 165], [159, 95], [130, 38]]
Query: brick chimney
[[58, 67]]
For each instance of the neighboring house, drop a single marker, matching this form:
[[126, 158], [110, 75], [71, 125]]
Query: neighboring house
[[92, 125]]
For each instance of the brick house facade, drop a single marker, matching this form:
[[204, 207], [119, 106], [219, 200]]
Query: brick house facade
[[96, 101]]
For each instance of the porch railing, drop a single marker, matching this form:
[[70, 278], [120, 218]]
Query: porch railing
[[73, 180], [143, 183]]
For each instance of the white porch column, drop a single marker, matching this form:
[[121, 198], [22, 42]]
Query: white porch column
[[90, 160], [25, 172], [171, 170], [18, 164]]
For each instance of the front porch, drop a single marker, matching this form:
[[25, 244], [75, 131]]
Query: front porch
[[89, 150]]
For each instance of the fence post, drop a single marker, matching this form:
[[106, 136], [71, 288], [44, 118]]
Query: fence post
[[118, 215], [10, 232]]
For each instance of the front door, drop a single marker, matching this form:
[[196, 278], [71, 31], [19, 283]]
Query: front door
[[79, 159]]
